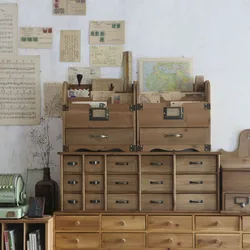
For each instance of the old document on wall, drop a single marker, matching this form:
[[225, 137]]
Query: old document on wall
[[69, 7], [106, 56], [20, 90], [70, 45], [88, 73], [8, 29], [107, 32], [36, 37]]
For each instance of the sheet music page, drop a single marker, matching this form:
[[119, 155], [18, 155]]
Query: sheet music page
[[20, 90], [88, 74], [8, 29], [36, 37], [69, 7], [106, 56], [107, 32], [70, 46]]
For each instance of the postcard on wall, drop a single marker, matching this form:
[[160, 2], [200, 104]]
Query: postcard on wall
[[107, 32], [70, 46], [69, 7], [106, 56], [88, 73], [36, 37], [20, 90], [8, 29]]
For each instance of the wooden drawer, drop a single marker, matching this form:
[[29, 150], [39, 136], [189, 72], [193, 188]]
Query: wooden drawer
[[77, 240], [94, 202], [94, 164], [196, 183], [230, 241], [122, 183], [123, 240], [246, 223], [160, 240], [72, 164], [123, 222], [157, 164], [237, 202], [196, 202], [78, 223], [170, 223], [246, 240], [234, 181], [156, 202], [217, 223], [94, 183], [157, 183], [121, 202], [72, 201], [72, 183], [196, 164], [122, 164]]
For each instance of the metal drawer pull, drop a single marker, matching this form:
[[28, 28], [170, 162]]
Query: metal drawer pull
[[121, 182], [72, 182], [156, 163], [94, 182], [191, 201], [217, 241], [170, 241], [195, 163], [77, 241], [238, 201], [95, 201], [123, 240], [72, 163], [122, 201], [99, 136], [156, 202], [196, 182], [121, 163], [173, 135], [72, 201], [94, 162], [156, 182]]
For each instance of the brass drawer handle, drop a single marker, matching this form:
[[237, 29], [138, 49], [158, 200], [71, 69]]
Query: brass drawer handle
[[195, 163], [94, 162], [94, 182], [77, 223], [156, 202], [122, 201], [121, 182], [72, 201], [156, 163], [95, 201], [72, 163], [170, 241], [99, 136], [216, 241], [196, 182], [72, 182], [123, 240], [173, 135], [238, 201], [121, 163], [192, 201], [156, 182], [77, 241]]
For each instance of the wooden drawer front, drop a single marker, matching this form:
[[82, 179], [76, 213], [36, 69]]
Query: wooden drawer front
[[170, 223], [72, 164], [157, 183], [122, 164], [246, 240], [99, 136], [123, 240], [72, 201], [122, 183], [157, 164], [198, 164], [81, 223], [94, 164], [155, 240], [72, 183], [122, 202], [174, 136], [246, 223], [230, 241], [237, 202], [123, 222], [77, 240], [156, 202], [196, 183], [94, 183], [196, 202], [94, 201], [236, 181], [217, 223]]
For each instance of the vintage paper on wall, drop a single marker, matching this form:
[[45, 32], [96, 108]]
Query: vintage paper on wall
[[8, 29], [20, 90], [106, 56], [88, 73], [69, 7], [53, 99], [165, 74], [107, 84], [107, 32], [36, 37], [70, 45]]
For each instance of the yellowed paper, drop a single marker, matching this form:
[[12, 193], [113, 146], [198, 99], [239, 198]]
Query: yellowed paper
[[69, 7], [106, 56], [20, 90], [70, 45], [107, 32], [101, 95], [107, 84], [36, 37], [88, 74], [149, 97], [122, 98], [8, 29], [53, 99]]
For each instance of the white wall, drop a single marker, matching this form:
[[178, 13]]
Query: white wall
[[215, 33]]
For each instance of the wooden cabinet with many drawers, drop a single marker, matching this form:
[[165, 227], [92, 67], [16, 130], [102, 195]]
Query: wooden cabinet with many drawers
[[155, 231], [130, 182]]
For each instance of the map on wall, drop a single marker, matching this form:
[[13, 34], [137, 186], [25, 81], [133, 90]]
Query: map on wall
[[165, 74]]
